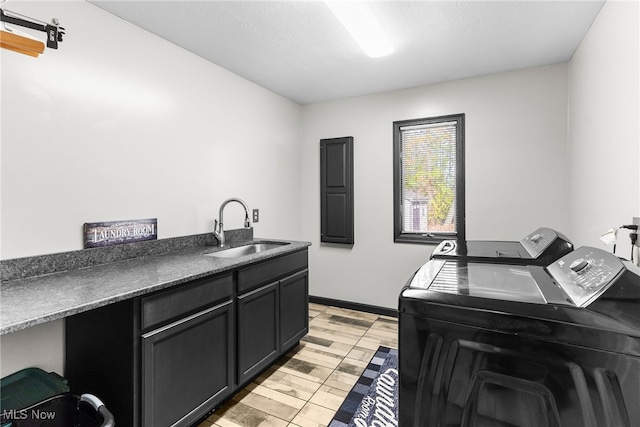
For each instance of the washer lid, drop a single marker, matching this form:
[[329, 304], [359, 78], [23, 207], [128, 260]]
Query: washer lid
[[482, 280]]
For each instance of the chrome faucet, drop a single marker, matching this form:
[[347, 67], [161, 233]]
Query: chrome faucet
[[219, 233]]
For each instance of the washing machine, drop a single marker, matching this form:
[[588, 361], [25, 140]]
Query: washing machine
[[540, 247], [497, 345]]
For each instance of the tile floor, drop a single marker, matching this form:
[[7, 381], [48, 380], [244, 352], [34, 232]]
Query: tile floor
[[307, 386]]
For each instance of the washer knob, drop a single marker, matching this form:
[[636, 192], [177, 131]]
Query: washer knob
[[579, 264]]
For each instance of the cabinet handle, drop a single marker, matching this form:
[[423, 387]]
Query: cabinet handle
[[297, 273], [185, 319], [255, 291]]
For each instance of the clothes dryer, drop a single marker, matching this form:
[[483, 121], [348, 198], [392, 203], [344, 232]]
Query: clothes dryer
[[540, 247]]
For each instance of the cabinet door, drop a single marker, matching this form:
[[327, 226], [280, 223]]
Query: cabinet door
[[294, 309], [258, 332], [187, 367], [336, 190]]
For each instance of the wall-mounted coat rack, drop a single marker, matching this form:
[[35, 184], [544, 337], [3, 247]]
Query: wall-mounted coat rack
[[22, 44]]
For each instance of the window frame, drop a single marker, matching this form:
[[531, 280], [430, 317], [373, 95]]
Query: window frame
[[434, 237]]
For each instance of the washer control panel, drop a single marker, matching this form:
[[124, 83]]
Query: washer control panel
[[585, 273]]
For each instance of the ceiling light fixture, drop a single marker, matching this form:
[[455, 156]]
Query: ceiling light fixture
[[359, 20]]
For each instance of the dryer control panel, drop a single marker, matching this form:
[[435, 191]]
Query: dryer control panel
[[585, 273], [539, 240], [541, 247], [445, 247]]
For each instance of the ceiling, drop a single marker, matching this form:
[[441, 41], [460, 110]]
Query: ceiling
[[299, 50]]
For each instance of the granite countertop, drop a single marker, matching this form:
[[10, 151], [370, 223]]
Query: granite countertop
[[29, 301]]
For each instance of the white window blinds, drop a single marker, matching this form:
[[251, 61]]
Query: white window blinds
[[428, 177]]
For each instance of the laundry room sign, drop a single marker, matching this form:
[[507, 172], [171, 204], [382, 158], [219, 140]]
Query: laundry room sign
[[100, 234]]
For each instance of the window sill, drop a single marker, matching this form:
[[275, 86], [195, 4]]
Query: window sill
[[425, 239]]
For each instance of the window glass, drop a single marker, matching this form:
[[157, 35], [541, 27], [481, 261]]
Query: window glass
[[428, 179]]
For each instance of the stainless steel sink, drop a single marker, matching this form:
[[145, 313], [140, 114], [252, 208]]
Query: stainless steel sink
[[252, 248]]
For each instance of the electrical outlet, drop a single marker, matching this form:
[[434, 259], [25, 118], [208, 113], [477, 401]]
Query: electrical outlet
[[256, 215]]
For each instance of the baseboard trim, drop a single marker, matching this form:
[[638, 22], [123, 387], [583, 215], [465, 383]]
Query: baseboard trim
[[354, 306]]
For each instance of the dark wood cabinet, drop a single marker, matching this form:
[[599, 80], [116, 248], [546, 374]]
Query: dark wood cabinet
[[171, 357], [258, 334], [162, 359], [187, 367], [269, 322], [294, 309]]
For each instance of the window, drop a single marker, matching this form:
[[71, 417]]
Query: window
[[428, 179]]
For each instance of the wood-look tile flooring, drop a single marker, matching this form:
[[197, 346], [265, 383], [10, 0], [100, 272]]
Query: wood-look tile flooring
[[307, 386]]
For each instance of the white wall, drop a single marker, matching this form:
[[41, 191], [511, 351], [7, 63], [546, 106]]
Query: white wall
[[515, 173], [604, 137], [120, 124]]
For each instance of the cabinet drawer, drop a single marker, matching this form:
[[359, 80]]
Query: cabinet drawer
[[171, 304], [268, 271]]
